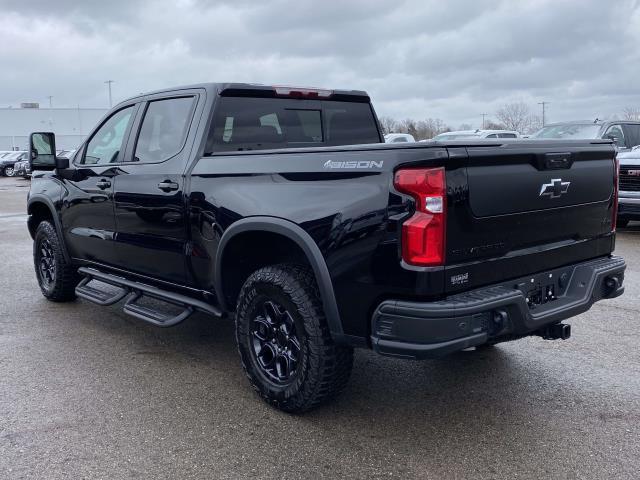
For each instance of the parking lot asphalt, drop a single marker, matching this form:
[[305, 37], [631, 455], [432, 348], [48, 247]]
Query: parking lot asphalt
[[87, 392]]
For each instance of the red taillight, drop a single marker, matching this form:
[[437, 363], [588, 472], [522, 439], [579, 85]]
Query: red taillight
[[296, 92], [423, 235], [616, 177]]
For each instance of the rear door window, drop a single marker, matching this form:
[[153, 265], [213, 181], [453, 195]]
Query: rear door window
[[164, 129], [242, 123]]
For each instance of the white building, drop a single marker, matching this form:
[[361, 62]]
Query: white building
[[69, 124]]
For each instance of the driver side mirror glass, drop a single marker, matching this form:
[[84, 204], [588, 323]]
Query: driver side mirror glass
[[42, 148]]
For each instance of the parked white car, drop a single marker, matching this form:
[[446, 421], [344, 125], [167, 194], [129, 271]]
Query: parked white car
[[470, 134], [399, 138]]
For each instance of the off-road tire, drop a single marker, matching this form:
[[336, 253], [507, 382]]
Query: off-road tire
[[323, 368], [61, 288]]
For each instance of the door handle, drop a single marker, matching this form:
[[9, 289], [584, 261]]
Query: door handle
[[168, 186], [102, 184]]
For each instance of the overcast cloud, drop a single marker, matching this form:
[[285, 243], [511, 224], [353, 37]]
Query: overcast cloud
[[448, 59]]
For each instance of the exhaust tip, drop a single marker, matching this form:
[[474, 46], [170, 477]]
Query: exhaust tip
[[612, 283]]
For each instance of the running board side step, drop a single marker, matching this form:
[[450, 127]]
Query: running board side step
[[134, 291], [98, 296]]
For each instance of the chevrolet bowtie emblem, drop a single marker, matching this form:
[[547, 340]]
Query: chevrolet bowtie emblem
[[555, 188]]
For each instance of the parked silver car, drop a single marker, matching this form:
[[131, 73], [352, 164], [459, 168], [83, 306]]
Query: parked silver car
[[476, 135]]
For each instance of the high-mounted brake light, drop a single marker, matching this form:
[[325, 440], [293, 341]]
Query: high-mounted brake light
[[423, 235], [616, 186], [296, 92]]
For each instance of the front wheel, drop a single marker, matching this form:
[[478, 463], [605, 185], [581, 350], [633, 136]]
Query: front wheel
[[284, 341], [57, 277]]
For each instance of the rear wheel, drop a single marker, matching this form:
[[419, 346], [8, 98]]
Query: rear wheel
[[57, 277], [284, 341], [9, 171], [622, 222]]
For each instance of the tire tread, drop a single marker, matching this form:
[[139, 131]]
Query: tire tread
[[329, 364], [67, 276]]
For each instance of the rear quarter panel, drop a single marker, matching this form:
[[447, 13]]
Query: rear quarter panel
[[351, 213]]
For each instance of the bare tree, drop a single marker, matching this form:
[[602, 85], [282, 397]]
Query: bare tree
[[631, 113], [421, 129], [388, 124], [515, 116], [491, 125], [465, 126], [408, 125]]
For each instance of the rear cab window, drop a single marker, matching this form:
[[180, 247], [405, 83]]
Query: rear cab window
[[253, 123]]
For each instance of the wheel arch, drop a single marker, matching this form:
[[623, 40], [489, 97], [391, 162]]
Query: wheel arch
[[39, 208], [307, 246]]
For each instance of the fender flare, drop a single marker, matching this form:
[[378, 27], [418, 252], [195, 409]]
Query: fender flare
[[311, 250], [37, 198]]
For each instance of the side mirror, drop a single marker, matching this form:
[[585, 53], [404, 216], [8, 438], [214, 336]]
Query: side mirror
[[42, 148], [62, 163]]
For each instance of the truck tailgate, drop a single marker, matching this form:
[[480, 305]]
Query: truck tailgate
[[524, 207]]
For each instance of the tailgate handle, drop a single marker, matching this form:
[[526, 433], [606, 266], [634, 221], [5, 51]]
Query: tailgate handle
[[555, 161]]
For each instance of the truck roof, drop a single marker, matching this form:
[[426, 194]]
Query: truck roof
[[261, 90]]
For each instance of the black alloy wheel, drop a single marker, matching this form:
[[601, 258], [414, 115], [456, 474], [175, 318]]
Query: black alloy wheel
[[46, 262], [57, 276], [284, 341], [275, 344]]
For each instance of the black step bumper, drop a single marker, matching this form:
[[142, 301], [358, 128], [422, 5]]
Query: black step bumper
[[510, 309]]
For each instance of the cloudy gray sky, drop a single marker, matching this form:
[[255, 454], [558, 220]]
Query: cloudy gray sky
[[448, 59]]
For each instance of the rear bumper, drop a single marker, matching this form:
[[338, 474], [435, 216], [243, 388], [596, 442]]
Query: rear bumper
[[516, 308]]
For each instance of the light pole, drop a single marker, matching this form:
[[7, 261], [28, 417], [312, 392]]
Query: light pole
[[50, 97], [544, 104], [109, 82], [483, 117]]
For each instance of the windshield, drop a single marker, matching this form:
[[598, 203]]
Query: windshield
[[569, 130]]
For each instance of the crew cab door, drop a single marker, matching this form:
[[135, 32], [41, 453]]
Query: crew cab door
[[87, 210], [149, 189]]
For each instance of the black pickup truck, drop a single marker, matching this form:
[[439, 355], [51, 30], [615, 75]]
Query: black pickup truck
[[284, 208]]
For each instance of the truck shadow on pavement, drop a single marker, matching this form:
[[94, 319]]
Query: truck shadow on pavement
[[186, 383], [480, 384]]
